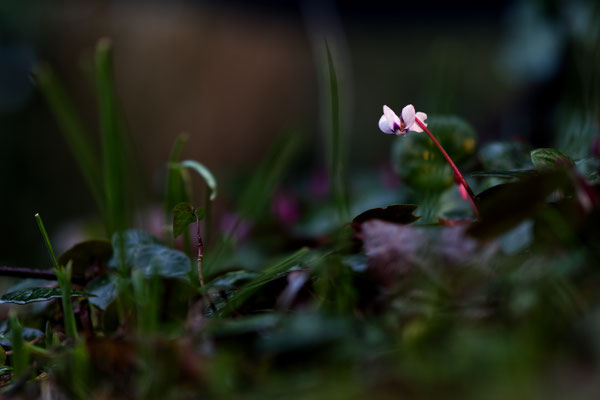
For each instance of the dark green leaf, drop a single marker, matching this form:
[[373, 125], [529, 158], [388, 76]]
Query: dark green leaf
[[544, 159], [104, 290], [147, 254], [132, 240], [161, 260], [398, 213], [505, 206], [2, 355], [84, 254], [5, 370], [183, 215], [31, 295]]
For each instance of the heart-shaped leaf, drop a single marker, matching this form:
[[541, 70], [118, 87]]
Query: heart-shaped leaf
[[104, 290], [85, 254], [183, 215]]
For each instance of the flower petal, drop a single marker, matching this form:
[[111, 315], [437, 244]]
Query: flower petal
[[392, 119], [384, 126], [422, 117], [408, 116]]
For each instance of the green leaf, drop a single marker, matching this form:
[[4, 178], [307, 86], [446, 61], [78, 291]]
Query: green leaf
[[144, 253], [399, 214], [2, 355], [505, 206], [183, 215], [85, 254], [74, 132], [205, 173], [104, 291], [126, 245], [30, 295], [163, 261], [5, 370], [544, 159]]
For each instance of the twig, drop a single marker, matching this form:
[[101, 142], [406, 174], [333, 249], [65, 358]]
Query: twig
[[200, 259], [32, 273]]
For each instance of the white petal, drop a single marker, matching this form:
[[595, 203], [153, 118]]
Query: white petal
[[392, 119], [384, 126], [408, 115], [422, 117]]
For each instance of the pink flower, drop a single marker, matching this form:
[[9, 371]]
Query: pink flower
[[392, 124]]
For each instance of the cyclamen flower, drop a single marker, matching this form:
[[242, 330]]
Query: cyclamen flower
[[392, 124]]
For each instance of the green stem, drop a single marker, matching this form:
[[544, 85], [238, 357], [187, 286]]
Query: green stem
[[63, 275], [47, 240]]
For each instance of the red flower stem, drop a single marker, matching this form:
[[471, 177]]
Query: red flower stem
[[457, 175]]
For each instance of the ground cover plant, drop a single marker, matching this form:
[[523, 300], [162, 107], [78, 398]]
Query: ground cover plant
[[481, 282]]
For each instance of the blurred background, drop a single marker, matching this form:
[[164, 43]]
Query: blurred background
[[234, 75]]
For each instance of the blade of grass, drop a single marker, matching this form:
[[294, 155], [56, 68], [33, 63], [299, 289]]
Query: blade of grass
[[113, 146], [336, 145], [74, 132], [20, 354], [63, 275]]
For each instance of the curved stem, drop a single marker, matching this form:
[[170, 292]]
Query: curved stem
[[457, 175]]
